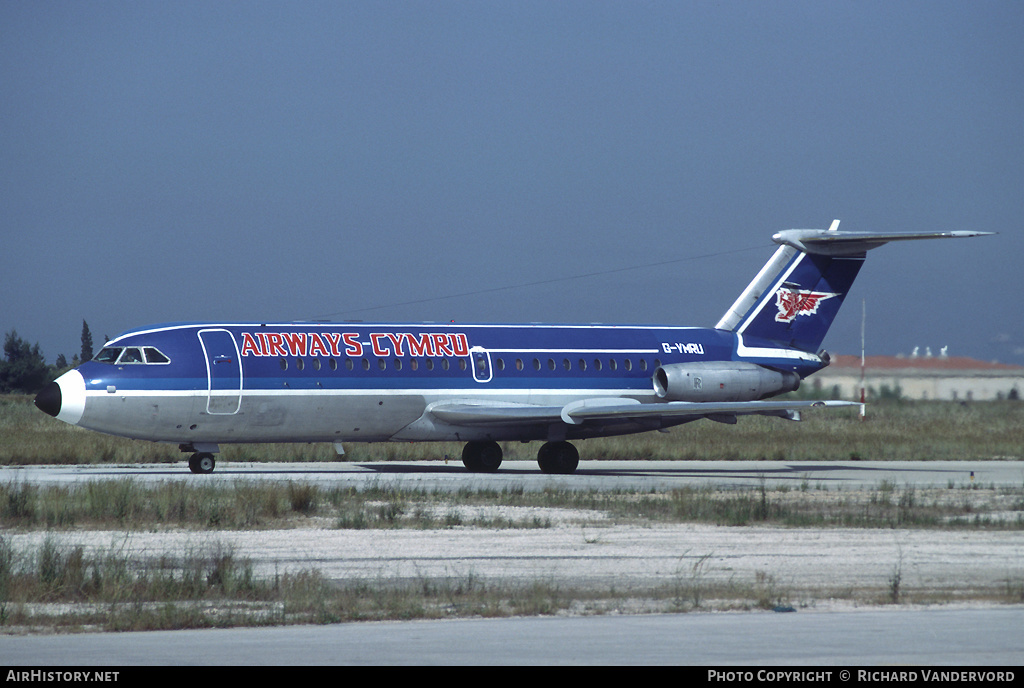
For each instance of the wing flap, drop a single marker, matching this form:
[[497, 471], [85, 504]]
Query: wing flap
[[470, 412], [604, 410], [579, 412]]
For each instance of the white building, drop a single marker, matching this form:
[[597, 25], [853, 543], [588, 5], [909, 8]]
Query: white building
[[919, 377]]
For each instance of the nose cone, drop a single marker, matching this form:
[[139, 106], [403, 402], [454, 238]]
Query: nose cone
[[64, 398], [48, 400]]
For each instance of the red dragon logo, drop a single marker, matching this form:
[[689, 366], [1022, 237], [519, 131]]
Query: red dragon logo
[[794, 302]]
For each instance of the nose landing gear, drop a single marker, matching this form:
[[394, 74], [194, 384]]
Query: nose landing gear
[[201, 462]]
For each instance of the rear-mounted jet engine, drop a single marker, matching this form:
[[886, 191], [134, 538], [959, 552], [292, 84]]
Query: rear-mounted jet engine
[[721, 381]]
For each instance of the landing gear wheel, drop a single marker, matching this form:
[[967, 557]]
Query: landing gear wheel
[[482, 456], [201, 462], [558, 457]]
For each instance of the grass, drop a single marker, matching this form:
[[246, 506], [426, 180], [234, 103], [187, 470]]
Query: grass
[[893, 430], [57, 585], [246, 504], [61, 587], [48, 584]]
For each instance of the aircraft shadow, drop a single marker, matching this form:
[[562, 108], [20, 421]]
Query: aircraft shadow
[[824, 471], [795, 472]]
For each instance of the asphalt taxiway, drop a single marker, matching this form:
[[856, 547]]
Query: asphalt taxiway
[[907, 639], [592, 475]]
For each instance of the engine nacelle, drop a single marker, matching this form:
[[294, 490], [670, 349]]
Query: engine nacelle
[[721, 381]]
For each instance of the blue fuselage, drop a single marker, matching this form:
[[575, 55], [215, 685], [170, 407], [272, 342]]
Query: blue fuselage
[[322, 382]]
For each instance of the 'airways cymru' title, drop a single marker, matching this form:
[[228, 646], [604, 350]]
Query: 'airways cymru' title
[[432, 344]]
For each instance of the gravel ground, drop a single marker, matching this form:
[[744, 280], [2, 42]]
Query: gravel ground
[[578, 550]]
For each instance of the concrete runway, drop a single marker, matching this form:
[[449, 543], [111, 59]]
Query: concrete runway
[[592, 475], [903, 639]]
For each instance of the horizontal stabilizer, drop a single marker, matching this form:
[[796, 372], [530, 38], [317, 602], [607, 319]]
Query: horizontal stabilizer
[[795, 297], [835, 243]]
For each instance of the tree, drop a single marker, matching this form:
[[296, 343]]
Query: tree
[[23, 368], [86, 342]]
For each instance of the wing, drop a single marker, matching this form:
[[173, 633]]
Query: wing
[[603, 410]]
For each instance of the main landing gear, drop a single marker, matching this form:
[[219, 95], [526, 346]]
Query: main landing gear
[[554, 457], [201, 462], [558, 457], [482, 457]]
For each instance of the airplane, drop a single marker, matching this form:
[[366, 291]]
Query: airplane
[[202, 385]]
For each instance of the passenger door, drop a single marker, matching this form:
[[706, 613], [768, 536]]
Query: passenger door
[[223, 370], [480, 359]]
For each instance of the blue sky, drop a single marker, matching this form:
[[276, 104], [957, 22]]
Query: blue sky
[[505, 161]]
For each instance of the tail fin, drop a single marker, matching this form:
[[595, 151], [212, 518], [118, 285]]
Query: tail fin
[[797, 294]]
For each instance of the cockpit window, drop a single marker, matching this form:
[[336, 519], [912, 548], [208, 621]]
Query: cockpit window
[[131, 355], [108, 354], [154, 356]]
